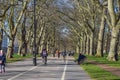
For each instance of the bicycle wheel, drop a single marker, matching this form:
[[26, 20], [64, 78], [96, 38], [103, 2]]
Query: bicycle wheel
[[45, 59]]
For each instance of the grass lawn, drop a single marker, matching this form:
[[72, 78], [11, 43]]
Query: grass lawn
[[98, 73], [17, 57], [104, 60]]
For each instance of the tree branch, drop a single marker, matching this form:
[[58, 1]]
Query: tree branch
[[6, 32], [66, 15], [108, 21], [6, 9]]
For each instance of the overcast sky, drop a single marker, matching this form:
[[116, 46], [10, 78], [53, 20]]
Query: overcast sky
[[64, 3]]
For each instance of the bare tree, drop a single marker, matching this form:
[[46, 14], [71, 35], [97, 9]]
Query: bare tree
[[114, 25], [13, 27]]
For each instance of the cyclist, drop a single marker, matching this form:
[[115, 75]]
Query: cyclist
[[64, 55], [44, 55], [58, 53]]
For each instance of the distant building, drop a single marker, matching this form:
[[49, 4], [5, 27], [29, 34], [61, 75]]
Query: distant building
[[5, 43]]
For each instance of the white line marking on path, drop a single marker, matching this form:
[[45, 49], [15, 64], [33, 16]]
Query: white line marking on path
[[21, 73], [65, 68]]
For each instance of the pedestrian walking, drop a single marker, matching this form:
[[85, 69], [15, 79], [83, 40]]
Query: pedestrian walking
[[2, 61]]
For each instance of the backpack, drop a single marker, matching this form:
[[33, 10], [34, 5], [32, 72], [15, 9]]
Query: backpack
[[44, 53]]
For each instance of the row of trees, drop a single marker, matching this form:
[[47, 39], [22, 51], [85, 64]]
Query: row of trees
[[16, 22], [97, 26], [87, 26]]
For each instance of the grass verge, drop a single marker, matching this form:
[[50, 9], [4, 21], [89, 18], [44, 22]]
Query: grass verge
[[17, 57], [104, 60], [96, 72]]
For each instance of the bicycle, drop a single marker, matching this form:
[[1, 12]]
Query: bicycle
[[44, 55], [64, 58], [44, 59]]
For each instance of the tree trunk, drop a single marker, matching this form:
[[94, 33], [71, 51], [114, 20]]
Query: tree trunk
[[10, 49], [92, 44], [85, 42], [88, 45], [13, 28], [24, 50], [111, 55], [39, 39], [48, 46], [31, 47], [24, 44], [117, 47], [77, 49], [43, 43], [119, 43], [108, 39], [101, 36], [20, 47], [1, 38], [115, 30], [81, 46]]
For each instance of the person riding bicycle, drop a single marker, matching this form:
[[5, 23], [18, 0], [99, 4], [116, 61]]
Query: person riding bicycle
[[58, 53], [64, 55], [44, 55]]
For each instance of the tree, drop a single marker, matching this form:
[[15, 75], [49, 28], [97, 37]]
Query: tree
[[114, 25], [4, 7], [101, 33], [13, 27]]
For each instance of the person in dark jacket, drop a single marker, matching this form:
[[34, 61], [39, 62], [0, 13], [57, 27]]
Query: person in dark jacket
[[2, 61], [81, 58]]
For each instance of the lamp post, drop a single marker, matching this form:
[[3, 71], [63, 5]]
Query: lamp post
[[34, 41]]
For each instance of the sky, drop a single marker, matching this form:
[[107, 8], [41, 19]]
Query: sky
[[63, 3]]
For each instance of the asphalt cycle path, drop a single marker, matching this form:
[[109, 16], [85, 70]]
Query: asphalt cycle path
[[56, 69]]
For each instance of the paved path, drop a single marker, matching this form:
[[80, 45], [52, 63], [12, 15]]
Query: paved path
[[56, 69]]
